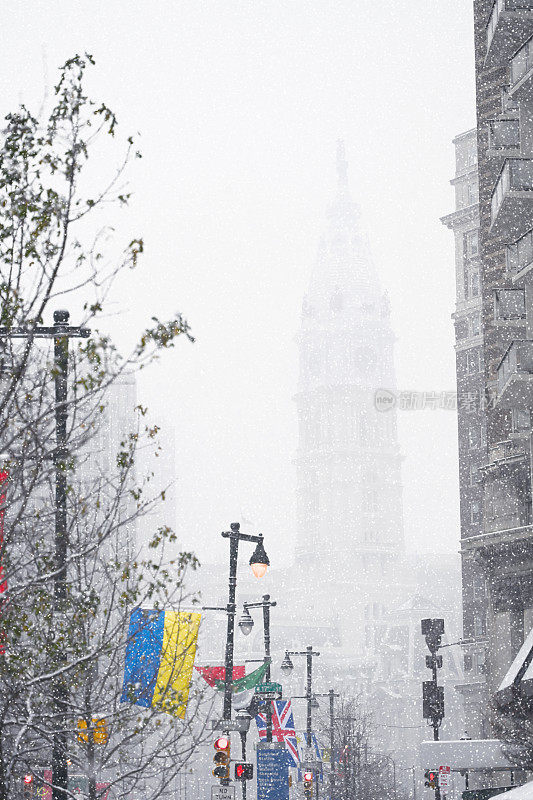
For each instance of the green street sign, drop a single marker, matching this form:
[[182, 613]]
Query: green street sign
[[270, 691]]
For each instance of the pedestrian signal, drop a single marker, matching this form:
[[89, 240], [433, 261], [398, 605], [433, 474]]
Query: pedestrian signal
[[431, 778], [221, 758], [27, 783], [244, 771]]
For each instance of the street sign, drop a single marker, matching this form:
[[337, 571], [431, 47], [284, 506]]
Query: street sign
[[444, 777], [269, 691], [314, 766], [222, 792], [229, 724], [272, 774], [270, 745]]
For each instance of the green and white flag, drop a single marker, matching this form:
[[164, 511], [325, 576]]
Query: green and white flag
[[247, 682]]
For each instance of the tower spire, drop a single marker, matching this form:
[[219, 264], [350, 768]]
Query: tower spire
[[342, 167]]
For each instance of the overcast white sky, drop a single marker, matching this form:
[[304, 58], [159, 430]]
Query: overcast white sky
[[239, 105]]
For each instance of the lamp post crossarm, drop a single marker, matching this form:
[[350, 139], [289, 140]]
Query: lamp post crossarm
[[262, 604], [21, 332], [302, 653], [242, 537]]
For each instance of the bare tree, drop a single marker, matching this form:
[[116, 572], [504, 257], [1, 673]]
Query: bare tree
[[54, 245], [361, 772]]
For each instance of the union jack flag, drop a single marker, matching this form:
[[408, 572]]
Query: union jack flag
[[282, 727]]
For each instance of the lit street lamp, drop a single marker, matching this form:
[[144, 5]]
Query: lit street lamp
[[259, 563]]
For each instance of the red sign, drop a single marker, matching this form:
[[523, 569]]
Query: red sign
[[444, 777]]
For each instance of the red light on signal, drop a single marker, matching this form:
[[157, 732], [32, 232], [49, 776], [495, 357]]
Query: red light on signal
[[239, 770], [221, 743], [308, 776], [28, 778]]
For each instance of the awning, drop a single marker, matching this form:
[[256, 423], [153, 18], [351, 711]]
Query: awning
[[524, 792], [519, 678]]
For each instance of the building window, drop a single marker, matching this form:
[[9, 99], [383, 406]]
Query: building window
[[468, 662], [521, 420], [472, 191], [472, 362], [475, 436], [461, 329], [475, 513], [471, 243], [480, 627], [479, 587], [474, 475], [475, 324], [480, 663]]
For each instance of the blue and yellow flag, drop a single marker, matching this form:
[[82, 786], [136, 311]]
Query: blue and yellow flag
[[159, 659]]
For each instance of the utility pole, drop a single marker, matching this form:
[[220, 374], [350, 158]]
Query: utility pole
[[331, 695], [287, 666], [61, 332]]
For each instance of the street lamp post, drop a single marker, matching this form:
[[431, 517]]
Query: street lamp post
[[287, 666], [246, 624], [259, 563], [60, 332]]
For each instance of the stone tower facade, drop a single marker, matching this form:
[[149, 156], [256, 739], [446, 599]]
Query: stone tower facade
[[349, 497]]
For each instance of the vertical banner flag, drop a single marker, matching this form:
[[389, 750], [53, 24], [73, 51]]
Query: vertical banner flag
[[159, 659], [282, 728]]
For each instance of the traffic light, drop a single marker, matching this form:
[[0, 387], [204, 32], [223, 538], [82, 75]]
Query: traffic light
[[433, 630], [27, 785], [222, 757], [431, 778], [308, 784], [244, 771], [432, 700]]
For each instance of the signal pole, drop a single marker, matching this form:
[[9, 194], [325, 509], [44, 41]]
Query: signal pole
[[432, 693]]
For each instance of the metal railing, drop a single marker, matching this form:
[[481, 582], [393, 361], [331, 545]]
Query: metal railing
[[500, 6], [518, 358], [519, 255], [522, 61], [516, 175]]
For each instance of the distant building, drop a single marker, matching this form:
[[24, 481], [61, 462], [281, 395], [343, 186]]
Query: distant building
[[349, 494], [352, 592], [97, 470]]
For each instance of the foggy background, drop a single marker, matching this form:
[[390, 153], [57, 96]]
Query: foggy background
[[239, 106]]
